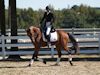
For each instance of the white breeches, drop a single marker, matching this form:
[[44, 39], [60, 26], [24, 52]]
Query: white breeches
[[48, 28]]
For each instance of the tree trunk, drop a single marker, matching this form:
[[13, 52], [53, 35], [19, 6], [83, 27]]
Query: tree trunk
[[2, 17], [13, 23]]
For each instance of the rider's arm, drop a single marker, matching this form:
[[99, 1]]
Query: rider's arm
[[53, 18], [43, 18]]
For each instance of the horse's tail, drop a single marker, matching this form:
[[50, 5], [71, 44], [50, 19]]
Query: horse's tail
[[74, 42]]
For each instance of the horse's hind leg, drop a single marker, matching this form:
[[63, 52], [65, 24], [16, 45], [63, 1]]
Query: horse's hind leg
[[70, 57], [69, 53]]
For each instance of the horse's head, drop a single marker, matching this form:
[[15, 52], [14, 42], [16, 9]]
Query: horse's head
[[32, 33]]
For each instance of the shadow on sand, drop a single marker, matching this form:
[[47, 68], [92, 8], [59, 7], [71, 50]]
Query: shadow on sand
[[85, 58], [92, 59]]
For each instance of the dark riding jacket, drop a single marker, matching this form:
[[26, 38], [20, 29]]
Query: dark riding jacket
[[48, 17]]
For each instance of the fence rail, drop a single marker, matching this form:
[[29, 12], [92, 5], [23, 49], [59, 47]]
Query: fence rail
[[70, 30], [84, 40]]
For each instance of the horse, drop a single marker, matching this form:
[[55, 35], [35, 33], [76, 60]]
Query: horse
[[35, 34]]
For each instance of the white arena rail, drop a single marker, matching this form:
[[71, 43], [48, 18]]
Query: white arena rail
[[3, 45], [84, 41]]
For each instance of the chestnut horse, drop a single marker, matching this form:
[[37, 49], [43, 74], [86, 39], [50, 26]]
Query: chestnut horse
[[36, 37]]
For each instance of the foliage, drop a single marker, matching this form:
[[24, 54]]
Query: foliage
[[78, 17]]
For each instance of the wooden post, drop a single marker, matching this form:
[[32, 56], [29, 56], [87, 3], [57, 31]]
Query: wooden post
[[99, 42], [13, 23], [3, 47], [52, 52], [2, 17], [73, 31]]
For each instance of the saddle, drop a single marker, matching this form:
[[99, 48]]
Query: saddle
[[53, 36]]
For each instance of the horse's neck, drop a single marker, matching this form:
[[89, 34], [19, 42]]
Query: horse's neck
[[39, 31]]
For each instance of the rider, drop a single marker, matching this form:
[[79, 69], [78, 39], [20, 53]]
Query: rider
[[48, 19]]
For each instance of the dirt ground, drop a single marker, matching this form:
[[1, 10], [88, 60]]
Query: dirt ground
[[83, 66]]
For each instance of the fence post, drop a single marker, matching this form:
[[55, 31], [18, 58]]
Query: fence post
[[73, 31], [3, 47], [52, 52], [94, 33], [99, 42]]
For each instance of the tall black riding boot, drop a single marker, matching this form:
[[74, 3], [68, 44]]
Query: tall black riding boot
[[48, 41]]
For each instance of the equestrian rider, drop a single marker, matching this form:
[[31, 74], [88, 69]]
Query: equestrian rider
[[48, 19]]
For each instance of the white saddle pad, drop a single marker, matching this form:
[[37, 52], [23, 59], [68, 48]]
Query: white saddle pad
[[53, 37]]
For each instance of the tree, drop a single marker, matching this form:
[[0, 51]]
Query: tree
[[70, 19], [78, 16], [2, 17], [13, 23]]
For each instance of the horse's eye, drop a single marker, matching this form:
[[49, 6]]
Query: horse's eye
[[29, 34]]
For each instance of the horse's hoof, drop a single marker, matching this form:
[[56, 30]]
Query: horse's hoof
[[44, 62], [29, 65], [71, 63], [56, 64]]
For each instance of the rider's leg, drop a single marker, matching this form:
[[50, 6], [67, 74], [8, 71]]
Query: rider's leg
[[48, 34], [48, 30]]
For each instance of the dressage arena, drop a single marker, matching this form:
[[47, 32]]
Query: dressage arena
[[83, 65]]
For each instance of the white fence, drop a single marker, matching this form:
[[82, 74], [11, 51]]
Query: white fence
[[84, 40], [70, 30]]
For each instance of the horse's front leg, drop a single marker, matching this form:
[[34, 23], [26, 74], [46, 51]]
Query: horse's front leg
[[34, 56]]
